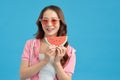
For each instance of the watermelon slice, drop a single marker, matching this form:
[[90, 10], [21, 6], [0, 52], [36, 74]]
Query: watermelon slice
[[57, 41]]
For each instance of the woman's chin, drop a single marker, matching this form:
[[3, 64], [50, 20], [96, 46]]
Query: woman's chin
[[50, 35]]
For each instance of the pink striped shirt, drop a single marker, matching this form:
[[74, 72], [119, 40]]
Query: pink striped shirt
[[68, 68]]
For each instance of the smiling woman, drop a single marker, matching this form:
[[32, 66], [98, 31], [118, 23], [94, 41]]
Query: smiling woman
[[50, 23], [48, 62]]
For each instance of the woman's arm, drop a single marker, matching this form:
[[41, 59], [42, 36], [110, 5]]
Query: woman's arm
[[61, 73], [26, 72], [59, 69]]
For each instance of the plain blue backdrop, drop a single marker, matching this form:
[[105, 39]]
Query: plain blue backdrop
[[93, 30]]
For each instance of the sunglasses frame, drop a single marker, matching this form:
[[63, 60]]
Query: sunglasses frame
[[50, 21]]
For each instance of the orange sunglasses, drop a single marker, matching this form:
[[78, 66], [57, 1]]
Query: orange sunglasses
[[46, 21]]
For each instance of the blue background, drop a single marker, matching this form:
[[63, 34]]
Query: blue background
[[93, 30]]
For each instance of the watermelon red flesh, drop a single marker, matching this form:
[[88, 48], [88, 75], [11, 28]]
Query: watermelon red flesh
[[57, 41]]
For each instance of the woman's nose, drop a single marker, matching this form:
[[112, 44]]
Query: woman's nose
[[49, 23]]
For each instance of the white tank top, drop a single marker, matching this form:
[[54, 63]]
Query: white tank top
[[48, 71]]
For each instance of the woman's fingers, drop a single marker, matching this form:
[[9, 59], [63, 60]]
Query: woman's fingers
[[58, 52], [61, 50], [51, 50]]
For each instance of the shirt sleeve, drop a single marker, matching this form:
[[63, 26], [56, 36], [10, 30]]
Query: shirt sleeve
[[26, 51], [70, 66]]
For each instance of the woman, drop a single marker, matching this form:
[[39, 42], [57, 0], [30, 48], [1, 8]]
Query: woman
[[48, 62]]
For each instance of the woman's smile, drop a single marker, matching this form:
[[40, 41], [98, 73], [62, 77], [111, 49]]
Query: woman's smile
[[50, 29]]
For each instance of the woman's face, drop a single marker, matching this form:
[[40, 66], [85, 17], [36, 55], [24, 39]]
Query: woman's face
[[50, 23]]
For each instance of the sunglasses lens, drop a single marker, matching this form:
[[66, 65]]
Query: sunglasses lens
[[53, 21], [44, 22]]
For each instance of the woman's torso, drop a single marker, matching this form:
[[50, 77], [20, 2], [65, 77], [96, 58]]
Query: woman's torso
[[48, 71]]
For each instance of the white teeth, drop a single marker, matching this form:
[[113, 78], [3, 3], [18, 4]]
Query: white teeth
[[50, 28]]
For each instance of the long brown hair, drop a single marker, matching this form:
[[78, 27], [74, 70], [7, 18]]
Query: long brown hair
[[62, 30]]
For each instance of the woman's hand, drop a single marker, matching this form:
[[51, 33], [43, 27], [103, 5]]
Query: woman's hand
[[60, 52], [61, 74], [50, 52]]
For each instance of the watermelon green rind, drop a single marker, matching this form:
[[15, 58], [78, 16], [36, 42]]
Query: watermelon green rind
[[65, 41], [60, 45], [47, 41]]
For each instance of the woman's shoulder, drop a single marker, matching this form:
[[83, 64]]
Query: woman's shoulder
[[71, 50], [29, 41], [32, 41], [69, 47]]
